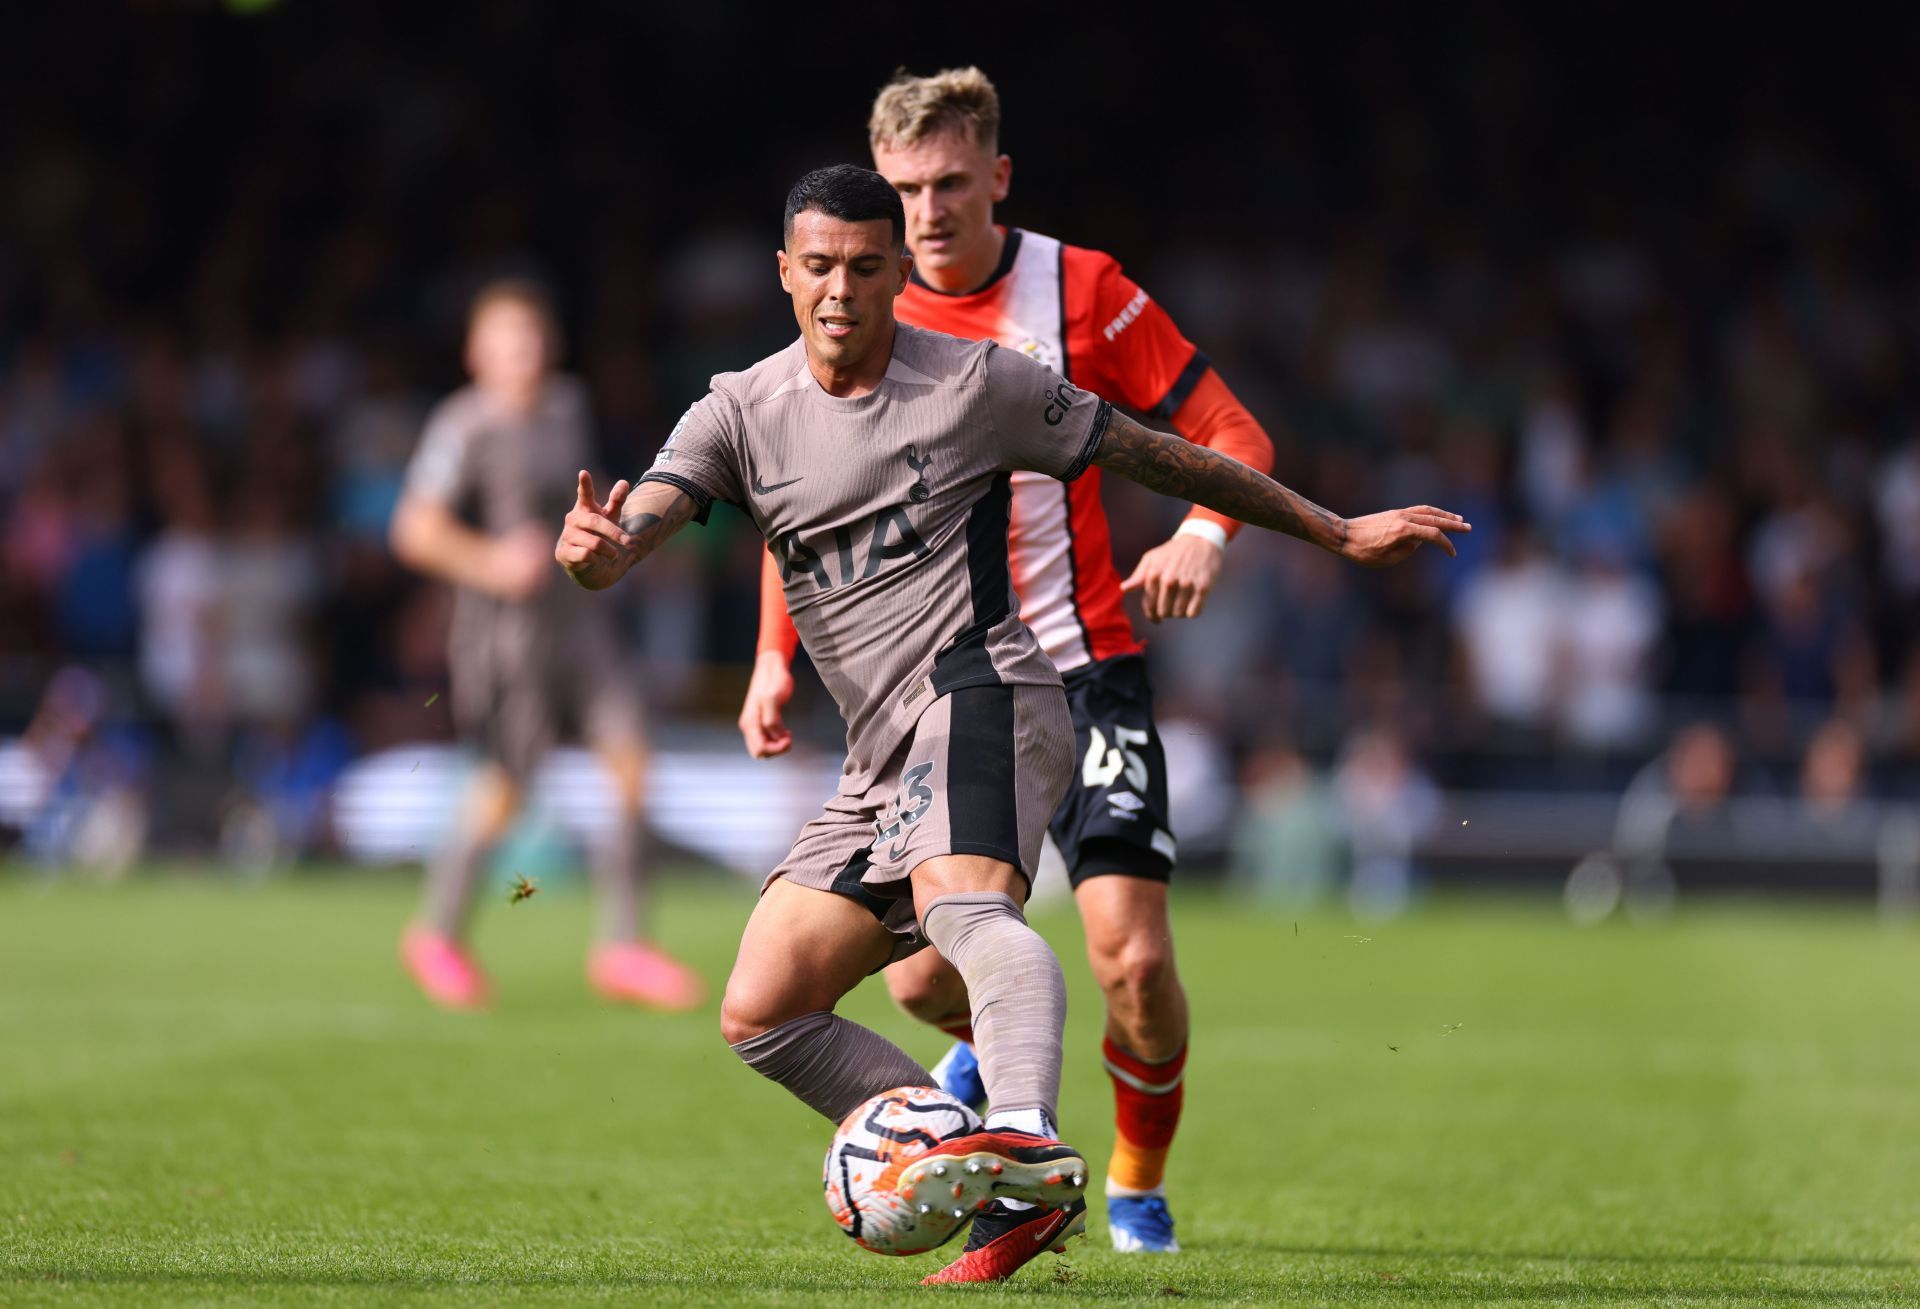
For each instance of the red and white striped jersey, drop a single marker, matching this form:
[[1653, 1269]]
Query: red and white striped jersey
[[1074, 310]]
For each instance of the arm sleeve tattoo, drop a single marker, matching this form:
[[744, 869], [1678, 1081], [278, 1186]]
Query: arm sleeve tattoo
[[1179, 468], [650, 517]]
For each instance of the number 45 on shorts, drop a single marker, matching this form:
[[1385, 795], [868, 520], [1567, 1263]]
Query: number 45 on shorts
[[1106, 762]]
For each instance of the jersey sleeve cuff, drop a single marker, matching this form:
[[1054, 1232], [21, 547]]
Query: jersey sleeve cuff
[[1183, 385], [1095, 434], [703, 502]]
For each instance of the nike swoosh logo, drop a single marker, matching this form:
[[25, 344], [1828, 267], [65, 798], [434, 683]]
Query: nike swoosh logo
[[898, 853], [758, 489], [1046, 1233]]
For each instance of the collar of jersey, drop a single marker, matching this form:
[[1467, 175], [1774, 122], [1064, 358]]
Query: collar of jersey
[[898, 370], [1008, 253]]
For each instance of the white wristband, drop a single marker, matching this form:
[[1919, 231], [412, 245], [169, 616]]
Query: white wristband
[[1207, 530]]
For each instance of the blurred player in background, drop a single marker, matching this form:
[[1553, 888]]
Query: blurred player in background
[[936, 139], [530, 660]]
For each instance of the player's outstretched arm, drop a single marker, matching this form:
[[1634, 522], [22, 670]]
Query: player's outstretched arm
[[1176, 577], [600, 542], [1179, 468]]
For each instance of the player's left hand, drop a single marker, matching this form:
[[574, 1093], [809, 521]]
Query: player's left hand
[[1380, 540], [761, 721], [1175, 579]]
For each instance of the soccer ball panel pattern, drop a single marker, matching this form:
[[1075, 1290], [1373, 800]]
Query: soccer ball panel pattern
[[871, 1148]]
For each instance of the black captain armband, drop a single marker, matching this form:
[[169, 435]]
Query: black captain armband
[[1089, 451], [703, 503]]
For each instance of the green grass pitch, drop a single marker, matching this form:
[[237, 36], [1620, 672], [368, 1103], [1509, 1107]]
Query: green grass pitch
[[215, 1093]]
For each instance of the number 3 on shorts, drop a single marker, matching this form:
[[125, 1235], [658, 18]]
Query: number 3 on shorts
[[1104, 762]]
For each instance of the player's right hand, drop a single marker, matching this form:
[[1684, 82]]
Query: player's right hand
[[1379, 540], [592, 548], [1175, 578], [761, 721]]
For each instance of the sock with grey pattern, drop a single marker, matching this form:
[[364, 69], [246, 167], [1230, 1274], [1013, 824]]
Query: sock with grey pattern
[[831, 1064], [1019, 996]]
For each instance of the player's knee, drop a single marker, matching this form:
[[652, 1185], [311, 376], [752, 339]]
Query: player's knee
[[1135, 969], [745, 1015], [627, 770], [492, 803], [921, 997], [738, 1025]]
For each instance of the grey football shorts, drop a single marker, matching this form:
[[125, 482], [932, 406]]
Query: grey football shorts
[[981, 774]]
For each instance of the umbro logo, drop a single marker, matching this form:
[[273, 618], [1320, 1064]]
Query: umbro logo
[[759, 489], [1126, 800]]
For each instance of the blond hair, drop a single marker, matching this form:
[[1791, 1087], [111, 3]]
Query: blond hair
[[910, 109]]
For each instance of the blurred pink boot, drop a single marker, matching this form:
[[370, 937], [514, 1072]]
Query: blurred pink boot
[[447, 973], [629, 972]]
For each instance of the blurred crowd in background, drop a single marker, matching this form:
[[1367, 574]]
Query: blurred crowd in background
[[1646, 311]]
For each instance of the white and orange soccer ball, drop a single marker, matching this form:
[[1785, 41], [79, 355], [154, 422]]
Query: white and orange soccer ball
[[873, 1190]]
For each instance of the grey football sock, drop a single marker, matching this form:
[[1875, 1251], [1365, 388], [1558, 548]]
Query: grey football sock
[[451, 875], [1019, 995], [620, 879], [830, 1063]]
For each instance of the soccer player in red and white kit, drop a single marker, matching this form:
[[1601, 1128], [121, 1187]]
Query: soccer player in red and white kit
[[936, 139]]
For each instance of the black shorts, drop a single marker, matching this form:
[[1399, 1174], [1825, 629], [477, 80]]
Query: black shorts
[[1114, 818]]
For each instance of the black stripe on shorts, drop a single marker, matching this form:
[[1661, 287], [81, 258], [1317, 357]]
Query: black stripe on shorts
[[982, 786], [847, 882]]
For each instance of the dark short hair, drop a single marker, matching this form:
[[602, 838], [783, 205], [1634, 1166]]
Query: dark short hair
[[850, 193]]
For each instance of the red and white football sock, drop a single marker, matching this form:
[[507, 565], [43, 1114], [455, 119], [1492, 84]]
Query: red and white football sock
[[1146, 1112]]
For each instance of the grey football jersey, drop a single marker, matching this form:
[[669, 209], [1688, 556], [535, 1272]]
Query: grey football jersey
[[888, 514], [497, 472]]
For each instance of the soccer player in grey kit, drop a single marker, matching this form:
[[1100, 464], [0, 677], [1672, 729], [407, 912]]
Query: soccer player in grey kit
[[875, 459], [529, 662]]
